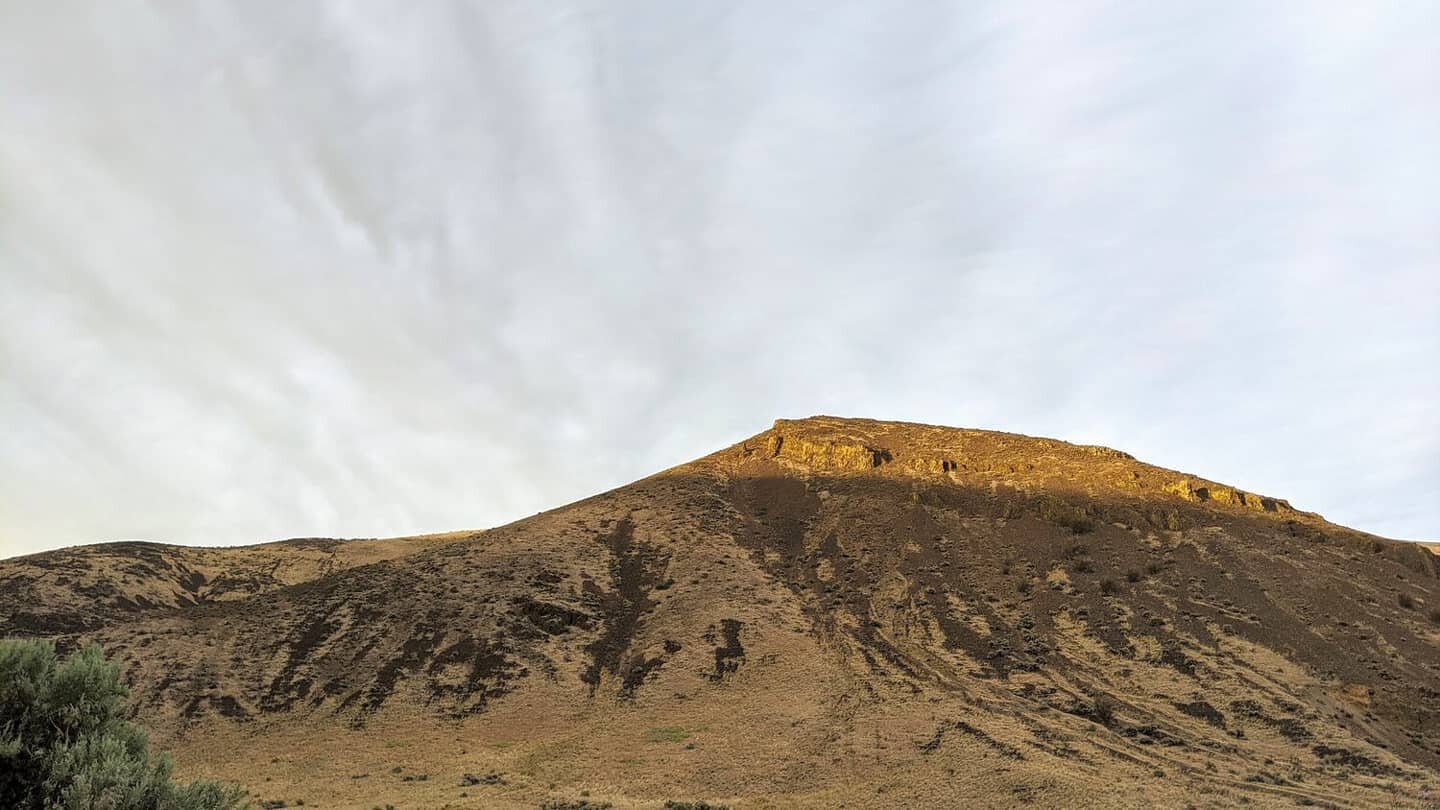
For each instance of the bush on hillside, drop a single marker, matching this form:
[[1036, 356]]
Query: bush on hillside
[[1075, 518], [65, 744], [1102, 709]]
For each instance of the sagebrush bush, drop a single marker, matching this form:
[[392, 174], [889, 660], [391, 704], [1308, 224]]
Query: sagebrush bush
[[65, 744], [1075, 518], [1103, 710], [575, 804]]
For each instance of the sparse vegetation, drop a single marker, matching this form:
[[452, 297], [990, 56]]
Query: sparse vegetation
[[575, 804], [1168, 519], [674, 805], [65, 743], [491, 778], [673, 734], [1265, 777], [1075, 518], [1103, 710], [1406, 601], [1435, 615], [1109, 587], [1132, 575]]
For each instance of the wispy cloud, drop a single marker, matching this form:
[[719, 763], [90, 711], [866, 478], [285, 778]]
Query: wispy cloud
[[275, 269]]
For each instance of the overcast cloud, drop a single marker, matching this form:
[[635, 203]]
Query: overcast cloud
[[273, 269]]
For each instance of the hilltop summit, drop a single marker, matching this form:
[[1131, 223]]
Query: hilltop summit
[[834, 445]]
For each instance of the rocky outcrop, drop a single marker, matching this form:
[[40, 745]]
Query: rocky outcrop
[[830, 456], [1204, 491], [831, 445]]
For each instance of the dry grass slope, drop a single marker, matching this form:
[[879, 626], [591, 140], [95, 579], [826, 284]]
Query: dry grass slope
[[832, 613]]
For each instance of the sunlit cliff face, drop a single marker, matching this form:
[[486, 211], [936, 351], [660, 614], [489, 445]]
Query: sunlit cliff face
[[324, 270]]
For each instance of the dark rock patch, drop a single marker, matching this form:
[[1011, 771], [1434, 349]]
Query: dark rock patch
[[1204, 711], [635, 569], [1354, 760], [552, 619], [730, 654]]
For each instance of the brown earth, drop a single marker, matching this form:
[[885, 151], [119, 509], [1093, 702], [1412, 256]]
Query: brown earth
[[833, 613]]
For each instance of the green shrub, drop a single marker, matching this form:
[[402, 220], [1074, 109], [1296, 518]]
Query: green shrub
[[65, 745], [672, 734]]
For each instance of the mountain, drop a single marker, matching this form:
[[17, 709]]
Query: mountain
[[832, 613]]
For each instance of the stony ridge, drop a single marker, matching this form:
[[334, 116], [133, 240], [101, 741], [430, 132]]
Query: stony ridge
[[835, 445]]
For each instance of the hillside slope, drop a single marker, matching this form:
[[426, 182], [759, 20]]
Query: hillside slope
[[832, 613]]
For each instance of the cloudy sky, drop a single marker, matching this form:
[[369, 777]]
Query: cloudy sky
[[274, 269]]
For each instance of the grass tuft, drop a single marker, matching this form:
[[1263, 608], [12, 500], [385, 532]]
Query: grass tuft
[[672, 734]]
